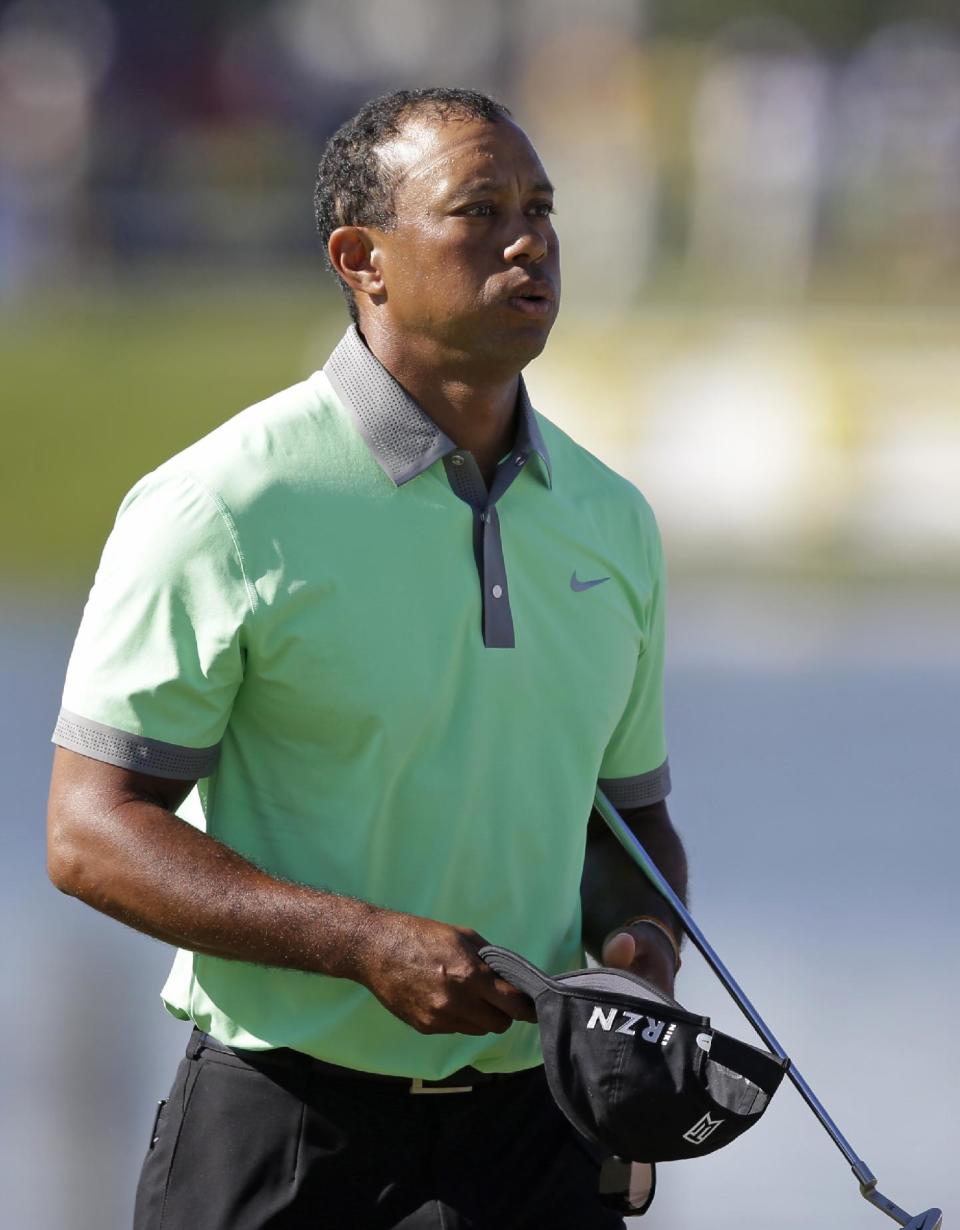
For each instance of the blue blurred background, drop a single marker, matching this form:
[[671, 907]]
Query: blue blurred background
[[760, 212]]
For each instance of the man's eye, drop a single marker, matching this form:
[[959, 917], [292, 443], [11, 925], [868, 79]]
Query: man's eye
[[479, 211], [543, 209]]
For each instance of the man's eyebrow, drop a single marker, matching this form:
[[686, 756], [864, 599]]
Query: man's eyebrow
[[496, 185]]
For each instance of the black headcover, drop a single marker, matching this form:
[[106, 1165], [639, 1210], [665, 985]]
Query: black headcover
[[633, 1071]]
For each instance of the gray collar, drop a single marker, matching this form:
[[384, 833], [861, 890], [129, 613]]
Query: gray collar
[[402, 437]]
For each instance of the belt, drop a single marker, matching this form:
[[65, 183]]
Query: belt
[[464, 1080]]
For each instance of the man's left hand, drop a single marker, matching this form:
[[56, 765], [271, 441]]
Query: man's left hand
[[644, 951]]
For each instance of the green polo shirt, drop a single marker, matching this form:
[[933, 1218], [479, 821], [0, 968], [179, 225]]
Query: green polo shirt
[[390, 682]]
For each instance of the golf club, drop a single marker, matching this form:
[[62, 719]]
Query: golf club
[[932, 1219]]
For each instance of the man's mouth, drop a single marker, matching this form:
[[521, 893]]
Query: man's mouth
[[533, 301]]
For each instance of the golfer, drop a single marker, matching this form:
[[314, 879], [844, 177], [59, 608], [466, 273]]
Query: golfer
[[348, 676]]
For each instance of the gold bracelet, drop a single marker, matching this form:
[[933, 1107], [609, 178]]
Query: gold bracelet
[[662, 928]]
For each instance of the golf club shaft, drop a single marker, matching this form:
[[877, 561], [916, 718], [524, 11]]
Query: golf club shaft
[[634, 848]]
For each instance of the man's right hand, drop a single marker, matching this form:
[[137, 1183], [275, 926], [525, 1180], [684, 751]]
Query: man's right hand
[[429, 975]]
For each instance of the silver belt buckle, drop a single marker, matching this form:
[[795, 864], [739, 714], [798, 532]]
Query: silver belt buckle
[[417, 1086]]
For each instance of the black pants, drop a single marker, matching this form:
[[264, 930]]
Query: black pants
[[244, 1143]]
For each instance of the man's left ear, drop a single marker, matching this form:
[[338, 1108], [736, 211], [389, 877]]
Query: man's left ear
[[353, 255]]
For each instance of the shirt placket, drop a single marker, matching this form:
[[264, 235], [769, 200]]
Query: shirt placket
[[467, 484]]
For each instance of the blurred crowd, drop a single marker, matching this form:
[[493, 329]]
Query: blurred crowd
[[723, 152], [759, 207]]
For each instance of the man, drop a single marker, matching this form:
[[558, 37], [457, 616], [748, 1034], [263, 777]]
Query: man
[[346, 681]]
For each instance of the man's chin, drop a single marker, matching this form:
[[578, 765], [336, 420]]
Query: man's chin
[[522, 340], [502, 344]]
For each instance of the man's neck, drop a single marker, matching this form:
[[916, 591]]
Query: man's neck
[[477, 411]]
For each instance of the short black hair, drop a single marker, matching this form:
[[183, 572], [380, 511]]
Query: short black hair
[[354, 187]]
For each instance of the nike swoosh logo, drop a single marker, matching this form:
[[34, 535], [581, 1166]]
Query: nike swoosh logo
[[579, 586]]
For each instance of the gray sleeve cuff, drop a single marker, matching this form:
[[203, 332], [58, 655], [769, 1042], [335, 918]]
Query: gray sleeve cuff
[[639, 791], [126, 751]]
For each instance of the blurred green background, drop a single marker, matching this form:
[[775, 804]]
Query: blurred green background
[[821, 442], [759, 207], [106, 384]]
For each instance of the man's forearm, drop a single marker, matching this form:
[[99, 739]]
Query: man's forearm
[[151, 870], [614, 889], [115, 843]]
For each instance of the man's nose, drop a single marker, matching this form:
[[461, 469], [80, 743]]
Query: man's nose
[[529, 245]]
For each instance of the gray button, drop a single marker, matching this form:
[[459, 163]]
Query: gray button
[[497, 591], [456, 459], [519, 459]]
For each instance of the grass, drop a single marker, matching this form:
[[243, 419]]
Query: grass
[[101, 384], [100, 388]]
